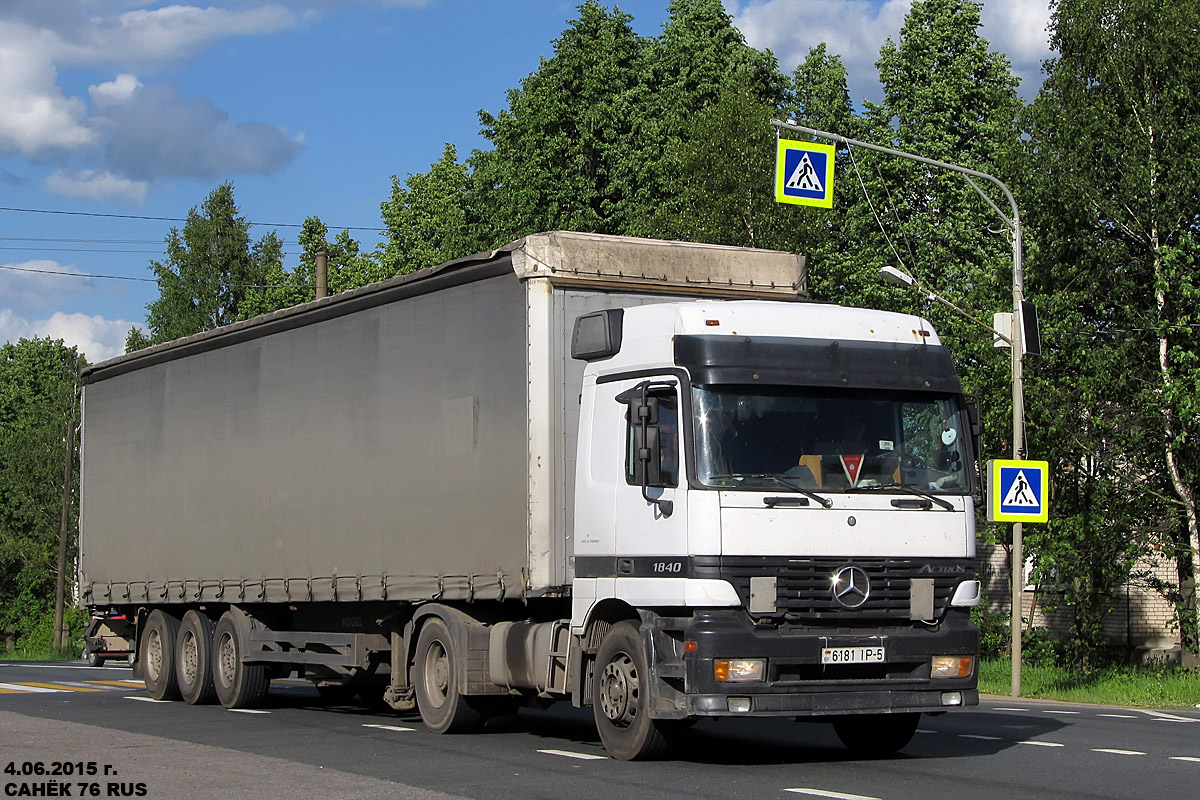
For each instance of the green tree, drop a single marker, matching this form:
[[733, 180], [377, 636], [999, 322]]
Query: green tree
[[346, 268], [561, 152], [429, 218], [692, 79], [209, 268], [1112, 134], [38, 384]]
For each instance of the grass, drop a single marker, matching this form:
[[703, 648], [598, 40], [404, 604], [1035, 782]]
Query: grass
[[68, 653], [1139, 687]]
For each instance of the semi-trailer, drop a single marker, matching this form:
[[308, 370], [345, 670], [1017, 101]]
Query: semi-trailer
[[643, 476]]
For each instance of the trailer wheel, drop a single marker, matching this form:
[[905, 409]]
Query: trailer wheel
[[443, 709], [91, 658], [876, 734], [238, 685], [621, 696], [194, 659], [158, 655]]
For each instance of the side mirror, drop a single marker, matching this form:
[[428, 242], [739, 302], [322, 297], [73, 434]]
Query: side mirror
[[973, 419], [649, 452]]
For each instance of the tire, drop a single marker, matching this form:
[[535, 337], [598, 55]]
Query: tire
[[92, 659], [238, 685], [621, 697], [875, 735], [158, 655], [193, 659], [443, 709]]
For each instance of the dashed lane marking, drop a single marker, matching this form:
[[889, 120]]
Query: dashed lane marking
[[1001, 708], [571, 754], [396, 728], [32, 687], [835, 795], [979, 736], [1036, 743], [1116, 752], [147, 699], [1057, 711], [248, 711], [1118, 716], [1193, 759]]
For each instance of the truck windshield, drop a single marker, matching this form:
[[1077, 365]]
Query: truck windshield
[[830, 440]]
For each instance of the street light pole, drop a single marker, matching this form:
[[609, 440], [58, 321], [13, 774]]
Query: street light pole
[[1018, 382]]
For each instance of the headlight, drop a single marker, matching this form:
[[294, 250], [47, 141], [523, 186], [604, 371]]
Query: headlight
[[737, 670], [951, 666]]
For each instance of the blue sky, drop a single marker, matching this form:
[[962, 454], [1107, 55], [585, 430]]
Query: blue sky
[[117, 107]]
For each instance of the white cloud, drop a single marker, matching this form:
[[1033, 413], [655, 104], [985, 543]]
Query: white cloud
[[38, 118], [97, 338], [39, 283], [93, 184], [156, 133], [40, 121], [855, 30]]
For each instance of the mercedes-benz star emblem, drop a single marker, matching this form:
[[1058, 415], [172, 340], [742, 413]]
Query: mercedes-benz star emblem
[[851, 587]]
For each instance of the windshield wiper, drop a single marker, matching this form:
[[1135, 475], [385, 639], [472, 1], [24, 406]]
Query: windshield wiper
[[795, 487], [908, 489]]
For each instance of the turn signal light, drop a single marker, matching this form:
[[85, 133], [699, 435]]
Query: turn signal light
[[951, 666]]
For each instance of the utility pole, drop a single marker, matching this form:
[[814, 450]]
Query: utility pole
[[1018, 383], [322, 274]]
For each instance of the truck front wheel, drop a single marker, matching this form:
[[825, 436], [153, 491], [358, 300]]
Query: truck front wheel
[[238, 685], [158, 655], [876, 734], [193, 662], [443, 709], [621, 696]]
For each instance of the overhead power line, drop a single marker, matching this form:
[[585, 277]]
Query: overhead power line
[[177, 219]]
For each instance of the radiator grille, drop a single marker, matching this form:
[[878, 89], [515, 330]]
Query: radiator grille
[[804, 586]]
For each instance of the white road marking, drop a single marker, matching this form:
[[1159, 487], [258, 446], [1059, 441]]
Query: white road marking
[[1118, 716], [1041, 744], [922, 730], [248, 710], [17, 687], [1057, 711], [835, 795], [1160, 715], [147, 699], [1118, 752], [396, 728], [979, 736], [1186, 758], [999, 708], [569, 754]]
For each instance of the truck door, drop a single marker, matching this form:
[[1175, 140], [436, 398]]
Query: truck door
[[651, 488]]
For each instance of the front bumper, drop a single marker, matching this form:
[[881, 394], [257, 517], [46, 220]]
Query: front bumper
[[796, 683]]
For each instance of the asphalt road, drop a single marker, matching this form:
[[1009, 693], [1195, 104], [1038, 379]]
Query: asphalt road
[[69, 718]]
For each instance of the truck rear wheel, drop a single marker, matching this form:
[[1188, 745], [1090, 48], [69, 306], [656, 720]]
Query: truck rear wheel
[[621, 696], [158, 655], [443, 709], [237, 685], [876, 734], [193, 662]]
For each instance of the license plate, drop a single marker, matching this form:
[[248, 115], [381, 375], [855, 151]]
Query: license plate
[[852, 655]]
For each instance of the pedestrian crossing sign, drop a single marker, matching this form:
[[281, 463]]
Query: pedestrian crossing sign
[[1018, 491], [804, 173]]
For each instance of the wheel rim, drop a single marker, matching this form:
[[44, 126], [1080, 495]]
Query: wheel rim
[[154, 655], [619, 691], [191, 657], [227, 659], [437, 674]]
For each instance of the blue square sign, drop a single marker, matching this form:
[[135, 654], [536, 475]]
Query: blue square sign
[[1018, 491], [804, 173]]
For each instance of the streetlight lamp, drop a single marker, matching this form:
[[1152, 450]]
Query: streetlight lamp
[[902, 278], [1013, 222]]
